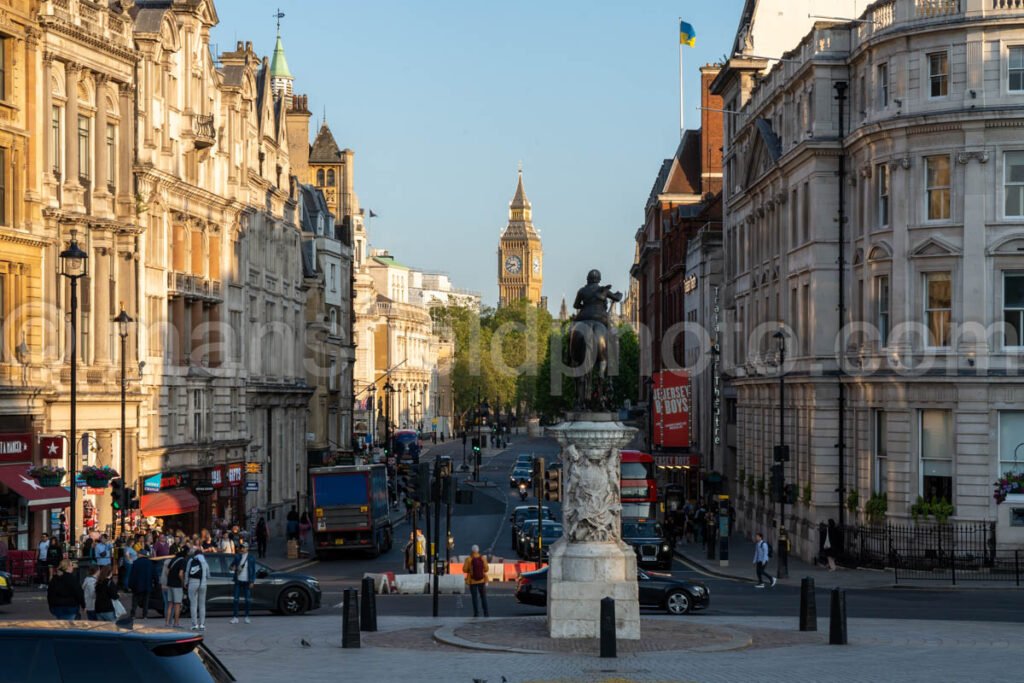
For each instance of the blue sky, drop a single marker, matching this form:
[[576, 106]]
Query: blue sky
[[441, 100]]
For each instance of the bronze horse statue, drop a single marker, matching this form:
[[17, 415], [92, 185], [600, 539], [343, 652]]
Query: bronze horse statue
[[591, 338]]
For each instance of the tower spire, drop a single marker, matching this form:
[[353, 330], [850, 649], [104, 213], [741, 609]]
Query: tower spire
[[281, 79]]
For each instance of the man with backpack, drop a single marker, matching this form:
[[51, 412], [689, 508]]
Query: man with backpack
[[140, 582], [244, 568], [197, 576], [475, 570], [762, 553]]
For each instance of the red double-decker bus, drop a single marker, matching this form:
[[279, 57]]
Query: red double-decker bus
[[638, 489]]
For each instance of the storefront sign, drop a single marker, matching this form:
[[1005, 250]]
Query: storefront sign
[[252, 486], [689, 284], [672, 409], [151, 484], [690, 460], [217, 477], [235, 472], [203, 487], [15, 448], [254, 468], [51, 447]]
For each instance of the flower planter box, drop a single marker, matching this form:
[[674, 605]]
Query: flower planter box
[[97, 483], [48, 480]]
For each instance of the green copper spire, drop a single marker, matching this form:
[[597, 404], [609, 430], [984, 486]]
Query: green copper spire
[[279, 65]]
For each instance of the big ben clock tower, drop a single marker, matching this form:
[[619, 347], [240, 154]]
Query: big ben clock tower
[[520, 255]]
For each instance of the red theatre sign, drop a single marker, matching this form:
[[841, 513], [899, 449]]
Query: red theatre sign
[[15, 448], [672, 409]]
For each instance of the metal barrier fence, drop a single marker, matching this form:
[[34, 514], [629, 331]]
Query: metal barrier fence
[[933, 552]]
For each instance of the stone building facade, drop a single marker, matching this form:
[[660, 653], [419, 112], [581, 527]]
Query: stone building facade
[[883, 243]]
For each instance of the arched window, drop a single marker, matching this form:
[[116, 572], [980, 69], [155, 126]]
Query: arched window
[[320, 178], [330, 177]]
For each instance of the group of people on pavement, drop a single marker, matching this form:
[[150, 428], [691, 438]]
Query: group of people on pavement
[[180, 568]]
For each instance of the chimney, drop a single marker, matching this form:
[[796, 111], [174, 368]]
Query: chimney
[[712, 131]]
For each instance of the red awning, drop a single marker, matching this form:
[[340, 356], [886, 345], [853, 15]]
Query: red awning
[[168, 503], [38, 497]]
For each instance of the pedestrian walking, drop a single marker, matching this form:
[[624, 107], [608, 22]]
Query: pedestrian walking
[[175, 583], [54, 556], [101, 551], [262, 535], [197, 575], [305, 526], [64, 595], [42, 568], [89, 592], [245, 575], [292, 528], [476, 571], [829, 539], [140, 583], [762, 553], [226, 545], [165, 566], [409, 552], [206, 541], [106, 594], [421, 552]]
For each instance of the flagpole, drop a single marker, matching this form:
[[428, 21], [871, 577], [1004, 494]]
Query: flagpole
[[682, 126]]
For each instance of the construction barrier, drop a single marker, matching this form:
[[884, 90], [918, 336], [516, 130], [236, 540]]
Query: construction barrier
[[411, 583], [451, 584], [382, 583]]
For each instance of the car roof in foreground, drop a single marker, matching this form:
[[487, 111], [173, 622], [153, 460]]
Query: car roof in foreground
[[95, 629]]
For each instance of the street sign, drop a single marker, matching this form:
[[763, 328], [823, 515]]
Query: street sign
[[252, 486], [254, 468], [203, 487]]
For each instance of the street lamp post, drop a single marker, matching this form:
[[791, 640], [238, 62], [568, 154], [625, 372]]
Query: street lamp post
[[781, 456], [373, 413], [74, 265], [388, 391], [123, 320]]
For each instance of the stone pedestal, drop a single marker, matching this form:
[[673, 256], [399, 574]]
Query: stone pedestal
[[591, 562]]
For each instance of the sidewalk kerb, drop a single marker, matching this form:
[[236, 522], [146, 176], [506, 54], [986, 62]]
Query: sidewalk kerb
[[446, 635]]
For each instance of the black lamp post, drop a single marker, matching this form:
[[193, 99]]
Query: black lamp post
[[388, 391], [74, 265], [373, 411], [123, 320], [781, 456]]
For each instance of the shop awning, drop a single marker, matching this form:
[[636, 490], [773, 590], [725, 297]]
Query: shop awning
[[38, 497], [168, 503]]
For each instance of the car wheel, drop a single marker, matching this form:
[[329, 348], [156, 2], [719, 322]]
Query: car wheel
[[677, 602], [293, 601]]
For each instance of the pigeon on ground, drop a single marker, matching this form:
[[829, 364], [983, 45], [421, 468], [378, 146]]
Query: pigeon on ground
[[305, 643]]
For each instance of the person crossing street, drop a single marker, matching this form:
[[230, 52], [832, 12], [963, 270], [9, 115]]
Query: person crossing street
[[761, 557], [476, 571]]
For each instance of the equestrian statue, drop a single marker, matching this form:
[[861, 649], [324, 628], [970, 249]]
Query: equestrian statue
[[591, 340]]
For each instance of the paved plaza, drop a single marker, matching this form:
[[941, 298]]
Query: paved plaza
[[405, 649]]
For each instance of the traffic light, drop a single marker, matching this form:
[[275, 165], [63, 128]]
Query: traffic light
[[133, 499], [778, 482], [553, 484], [420, 482], [476, 445], [117, 497], [780, 453]]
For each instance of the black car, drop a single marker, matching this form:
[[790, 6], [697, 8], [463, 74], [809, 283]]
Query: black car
[[281, 592], [675, 596], [550, 531], [521, 474], [649, 541], [523, 513], [6, 589], [55, 651]]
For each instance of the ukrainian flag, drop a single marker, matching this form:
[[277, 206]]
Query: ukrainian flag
[[687, 36]]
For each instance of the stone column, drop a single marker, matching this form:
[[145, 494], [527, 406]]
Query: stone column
[[590, 562], [101, 313], [33, 148], [73, 72], [100, 136], [46, 147], [125, 144]]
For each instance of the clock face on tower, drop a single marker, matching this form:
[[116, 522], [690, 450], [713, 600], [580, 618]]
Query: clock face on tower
[[536, 265], [513, 264]]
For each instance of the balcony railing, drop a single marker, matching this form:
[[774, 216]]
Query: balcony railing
[[194, 287], [204, 131]]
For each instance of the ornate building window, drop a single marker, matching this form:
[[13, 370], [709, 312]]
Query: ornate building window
[[111, 157], [1013, 309], [1013, 183], [330, 177], [1015, 74], [320, 177], [882, 298], [882, 191], [55, 141], [937, 187], [883, 85], [936, 450], [4, 52], [84, 145], [938, 74], [4, 218], [938, 308]]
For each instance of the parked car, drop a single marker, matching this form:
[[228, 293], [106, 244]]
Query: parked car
[[524, 535], [550, 531], [520, 473], [649, 541], [280, 592], [520, 514], [6, 589], [675, 596], [56, 651]]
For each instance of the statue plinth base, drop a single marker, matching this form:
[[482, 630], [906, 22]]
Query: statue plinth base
[[579, 577], [591, 562]]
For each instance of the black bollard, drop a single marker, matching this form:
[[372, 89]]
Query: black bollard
[[368, 606], [808, 606], [608, 628], [350, 619], [837, 618]]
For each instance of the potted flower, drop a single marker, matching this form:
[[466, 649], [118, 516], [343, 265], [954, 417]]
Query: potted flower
[[98, 477], [47, 475], [1009, 484]]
